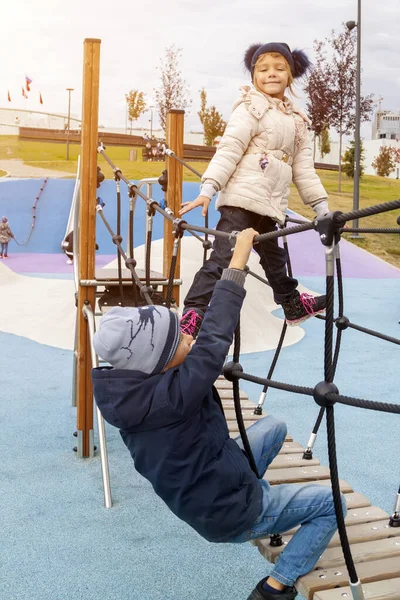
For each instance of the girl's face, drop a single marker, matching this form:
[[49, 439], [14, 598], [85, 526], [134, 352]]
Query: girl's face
[[271, 75]]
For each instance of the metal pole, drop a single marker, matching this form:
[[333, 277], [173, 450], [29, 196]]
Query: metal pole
[[357, 141], [151, 123], [69, 90]]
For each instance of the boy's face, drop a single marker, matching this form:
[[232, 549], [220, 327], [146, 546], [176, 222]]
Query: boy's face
[[185, 346], [271, 75]]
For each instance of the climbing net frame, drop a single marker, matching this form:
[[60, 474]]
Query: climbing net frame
[[329, 228]]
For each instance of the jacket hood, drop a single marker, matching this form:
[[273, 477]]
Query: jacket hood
[[131, 400], [259, 103]]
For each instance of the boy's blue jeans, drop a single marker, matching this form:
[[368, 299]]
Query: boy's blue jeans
[[4, 248], [287, 506]]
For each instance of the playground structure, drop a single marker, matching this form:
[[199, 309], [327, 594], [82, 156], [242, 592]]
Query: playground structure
[[325, 393]]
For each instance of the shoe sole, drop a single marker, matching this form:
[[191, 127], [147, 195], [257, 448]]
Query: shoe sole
[[305, 318]]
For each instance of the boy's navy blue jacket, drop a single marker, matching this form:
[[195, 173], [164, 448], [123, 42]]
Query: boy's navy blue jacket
[[176, 432]]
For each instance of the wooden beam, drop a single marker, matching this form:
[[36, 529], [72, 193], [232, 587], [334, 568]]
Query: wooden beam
[[87, 240], [175, 122]]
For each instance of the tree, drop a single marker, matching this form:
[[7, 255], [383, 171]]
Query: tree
[[385, 162], [173, 91], [324, 142], [211, 119], [341, 72], [136, 105], [318, 104], [348, 160]]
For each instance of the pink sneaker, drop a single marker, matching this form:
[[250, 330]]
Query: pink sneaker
[[191, 322]]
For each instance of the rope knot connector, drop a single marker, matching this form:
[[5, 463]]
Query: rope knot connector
[[327, 227], [130, 262], [177, 225], [342, 323], [229, 368], [207, 244], [321, 390], [117, 239], [146, 289]]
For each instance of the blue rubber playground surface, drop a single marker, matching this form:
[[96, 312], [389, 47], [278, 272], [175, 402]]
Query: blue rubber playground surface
[[58, 541]]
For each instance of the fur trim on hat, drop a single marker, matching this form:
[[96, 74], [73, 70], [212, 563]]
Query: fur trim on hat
[[248, 55], [301, 63]]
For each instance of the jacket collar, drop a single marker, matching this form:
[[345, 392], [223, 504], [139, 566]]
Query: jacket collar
[[259, 103]]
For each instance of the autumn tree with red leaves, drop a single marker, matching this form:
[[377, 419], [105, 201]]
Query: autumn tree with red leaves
[[336, 60]]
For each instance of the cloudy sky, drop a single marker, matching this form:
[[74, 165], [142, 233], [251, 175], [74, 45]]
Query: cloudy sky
[[44, 40]]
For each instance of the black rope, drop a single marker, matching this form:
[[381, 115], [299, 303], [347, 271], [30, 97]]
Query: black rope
[[370, 230], [238, 409], [120, 284], [360, 403], [367, 212], [149, 236], [339, 277], [286, 387], [330, 422], [26, 242], [172, 269]]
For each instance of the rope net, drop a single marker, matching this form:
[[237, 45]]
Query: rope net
[[325, 393]]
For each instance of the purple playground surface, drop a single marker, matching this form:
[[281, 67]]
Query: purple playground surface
[[306, 254]]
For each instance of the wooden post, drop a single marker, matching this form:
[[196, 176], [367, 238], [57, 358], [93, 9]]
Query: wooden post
[[175, 121], [87, 240]]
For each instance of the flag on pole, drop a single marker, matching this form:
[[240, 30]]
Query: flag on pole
[[28, 81], [40, 98], [8, 95], [24, 93]]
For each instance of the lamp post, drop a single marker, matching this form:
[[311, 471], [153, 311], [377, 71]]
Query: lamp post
[[69, 90], [151, 121], [356, 194]]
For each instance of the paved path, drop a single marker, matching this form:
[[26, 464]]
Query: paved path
[[16, 168]]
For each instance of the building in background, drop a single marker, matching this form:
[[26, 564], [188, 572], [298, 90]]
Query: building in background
[[386, 125]]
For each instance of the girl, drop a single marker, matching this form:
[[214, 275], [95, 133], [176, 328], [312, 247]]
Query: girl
[[264, 148], [5, 236]]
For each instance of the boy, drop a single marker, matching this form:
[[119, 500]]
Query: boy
[[160, 395]]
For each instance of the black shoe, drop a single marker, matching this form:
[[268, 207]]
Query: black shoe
[[190, 322], [301, 307], [259, 593]]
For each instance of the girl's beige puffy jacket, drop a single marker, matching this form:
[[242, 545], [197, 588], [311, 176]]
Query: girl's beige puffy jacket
[[265, 147]]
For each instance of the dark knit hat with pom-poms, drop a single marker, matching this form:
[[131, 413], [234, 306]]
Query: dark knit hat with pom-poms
[[298, 60]]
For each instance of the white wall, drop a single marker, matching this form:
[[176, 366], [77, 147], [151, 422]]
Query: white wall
[[371, 151]]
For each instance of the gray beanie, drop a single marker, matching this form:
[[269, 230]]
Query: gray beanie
[[141, 339]]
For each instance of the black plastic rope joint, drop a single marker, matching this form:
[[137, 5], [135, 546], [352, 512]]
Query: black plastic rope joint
[[207, 244], [327, 227], [307, 454], [117, 239], [146, 289], [163, 180], [130, 262], [132, 191], [177, 225], [342, 323], [275, 540], [151, 211], [228, 369], [394, 521], [117, 174], [321, 390]]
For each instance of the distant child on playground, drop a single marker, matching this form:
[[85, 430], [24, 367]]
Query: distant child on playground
[[264, 148], [5, 237], [159, 392]]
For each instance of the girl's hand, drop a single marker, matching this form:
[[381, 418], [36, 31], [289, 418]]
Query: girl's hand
[[199, 201], [243, 247]]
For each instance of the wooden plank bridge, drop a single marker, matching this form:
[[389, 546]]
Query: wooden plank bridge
[[375, 545]]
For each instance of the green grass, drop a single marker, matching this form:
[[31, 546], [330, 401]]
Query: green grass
[[373, 190]]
